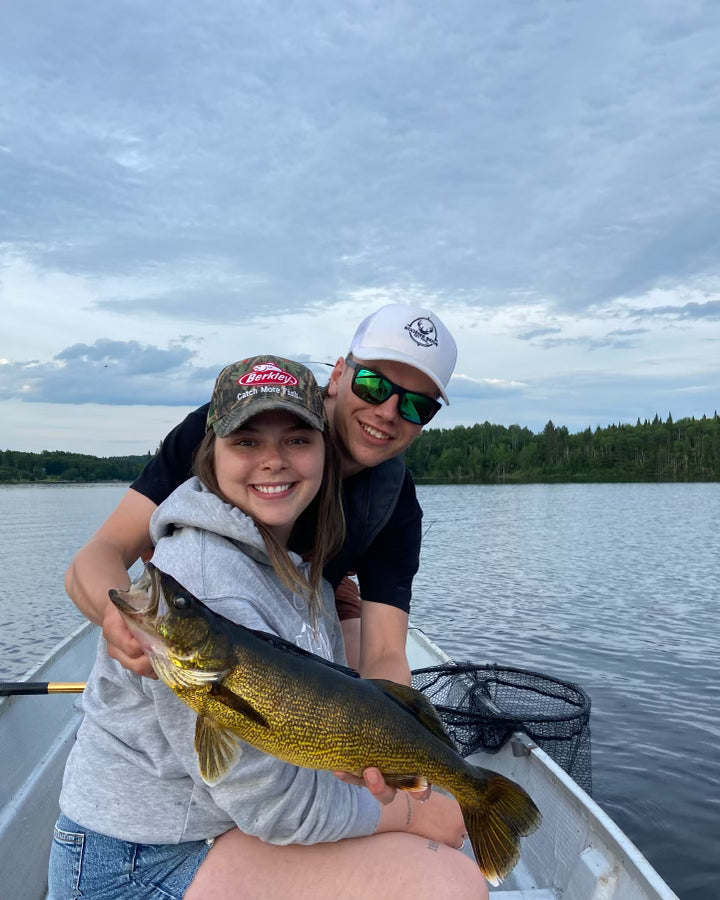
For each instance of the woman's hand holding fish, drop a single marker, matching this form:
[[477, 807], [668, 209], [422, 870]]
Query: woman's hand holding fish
[[122, 646], [373, 780]]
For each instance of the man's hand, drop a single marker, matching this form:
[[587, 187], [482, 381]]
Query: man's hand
[[122, 646]]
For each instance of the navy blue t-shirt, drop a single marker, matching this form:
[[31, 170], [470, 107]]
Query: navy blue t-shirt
[[385, 561]]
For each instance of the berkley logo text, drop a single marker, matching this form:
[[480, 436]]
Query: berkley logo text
[[268, 373]]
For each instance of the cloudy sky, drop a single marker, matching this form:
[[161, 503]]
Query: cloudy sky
[[188, 182]]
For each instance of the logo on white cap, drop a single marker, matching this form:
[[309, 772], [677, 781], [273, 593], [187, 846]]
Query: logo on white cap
[[423, 332]]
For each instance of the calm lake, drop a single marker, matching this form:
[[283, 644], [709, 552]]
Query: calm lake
[[612, 586]]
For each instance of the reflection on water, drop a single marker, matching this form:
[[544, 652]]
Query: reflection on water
[[614, 587], [611, 586]]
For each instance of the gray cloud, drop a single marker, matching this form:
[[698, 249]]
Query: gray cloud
[[111, 373], [214, 303], [126, 356], [691, 310], [120, 373], [627, 332], [468, 147], [614, 340], [463, 388], [538, 332]]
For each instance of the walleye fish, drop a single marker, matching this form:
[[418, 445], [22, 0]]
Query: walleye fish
[[313, 713]]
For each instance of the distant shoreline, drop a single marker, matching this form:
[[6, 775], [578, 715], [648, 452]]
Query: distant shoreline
[[50, 481], [653, 452]]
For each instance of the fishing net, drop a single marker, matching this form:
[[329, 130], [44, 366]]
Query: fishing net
[[482, 706]]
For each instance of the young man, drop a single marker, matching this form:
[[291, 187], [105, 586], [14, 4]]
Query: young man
[[378, 400]]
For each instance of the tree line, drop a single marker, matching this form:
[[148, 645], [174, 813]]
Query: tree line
[[56, 465], [657, 450], [683, 450]]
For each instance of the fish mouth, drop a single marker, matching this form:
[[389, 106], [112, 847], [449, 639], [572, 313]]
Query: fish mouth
[[144, 601], [144, 608]]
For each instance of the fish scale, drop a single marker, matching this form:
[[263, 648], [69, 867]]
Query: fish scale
[[320, 730]]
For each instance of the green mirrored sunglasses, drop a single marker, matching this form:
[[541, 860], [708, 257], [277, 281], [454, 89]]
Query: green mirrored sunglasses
[[374, 388]]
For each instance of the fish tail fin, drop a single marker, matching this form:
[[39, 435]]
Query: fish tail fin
[[497, 815]]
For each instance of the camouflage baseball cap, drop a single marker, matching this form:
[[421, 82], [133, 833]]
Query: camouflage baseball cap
[[252, 386]]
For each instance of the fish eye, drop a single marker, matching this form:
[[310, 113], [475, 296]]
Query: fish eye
[[180, 601]]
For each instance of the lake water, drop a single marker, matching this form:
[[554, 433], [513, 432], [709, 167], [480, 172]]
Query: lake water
[[612, 586]]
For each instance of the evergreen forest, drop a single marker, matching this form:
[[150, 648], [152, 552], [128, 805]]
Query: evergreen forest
[[682, 450], [56, 465], [657, 450]]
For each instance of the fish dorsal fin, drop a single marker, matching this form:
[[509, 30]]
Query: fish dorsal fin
[[216, 748], [417, 704], [281, 644], [238, 704]]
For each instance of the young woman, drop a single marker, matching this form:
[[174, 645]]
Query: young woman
[[137, 820]]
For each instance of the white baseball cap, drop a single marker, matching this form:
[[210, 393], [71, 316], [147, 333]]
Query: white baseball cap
[[410, 335]]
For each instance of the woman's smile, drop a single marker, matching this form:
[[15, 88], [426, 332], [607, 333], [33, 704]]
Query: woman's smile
[[272, 489]]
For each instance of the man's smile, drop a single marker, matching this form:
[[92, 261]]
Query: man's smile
[[374, 432]]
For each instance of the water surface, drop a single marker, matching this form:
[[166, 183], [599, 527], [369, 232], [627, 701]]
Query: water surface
[[612, 586], [41, 528]]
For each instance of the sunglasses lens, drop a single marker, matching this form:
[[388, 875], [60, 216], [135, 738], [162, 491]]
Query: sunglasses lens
[[370, 387], [409, 411], [418, 409]]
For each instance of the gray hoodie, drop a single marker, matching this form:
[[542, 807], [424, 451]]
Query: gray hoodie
[[133, 772]]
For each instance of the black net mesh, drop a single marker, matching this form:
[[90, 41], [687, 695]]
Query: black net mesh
[[481, 707]]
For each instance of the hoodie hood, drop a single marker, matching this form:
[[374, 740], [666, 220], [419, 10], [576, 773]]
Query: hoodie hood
[[193, 505]]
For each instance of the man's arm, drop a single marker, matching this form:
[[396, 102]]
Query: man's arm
[[382, 642], [102, 564], [382, 655], [385, 572], [124, 537]]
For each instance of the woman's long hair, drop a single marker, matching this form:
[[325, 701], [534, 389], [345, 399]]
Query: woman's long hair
[[318, 533]]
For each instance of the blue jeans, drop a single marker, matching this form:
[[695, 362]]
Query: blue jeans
[[84, 863]]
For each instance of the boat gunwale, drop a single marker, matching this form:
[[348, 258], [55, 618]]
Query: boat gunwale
[[53, 656]]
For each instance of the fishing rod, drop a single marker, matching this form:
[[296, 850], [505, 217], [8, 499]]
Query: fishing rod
[[13, 688]]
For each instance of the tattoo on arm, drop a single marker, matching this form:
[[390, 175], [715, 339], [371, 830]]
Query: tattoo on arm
[[433, 845]]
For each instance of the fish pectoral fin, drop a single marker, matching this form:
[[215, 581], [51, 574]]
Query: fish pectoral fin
[[178, 678], [417, 704], [238, 704], [216, 748], [406, 782]]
